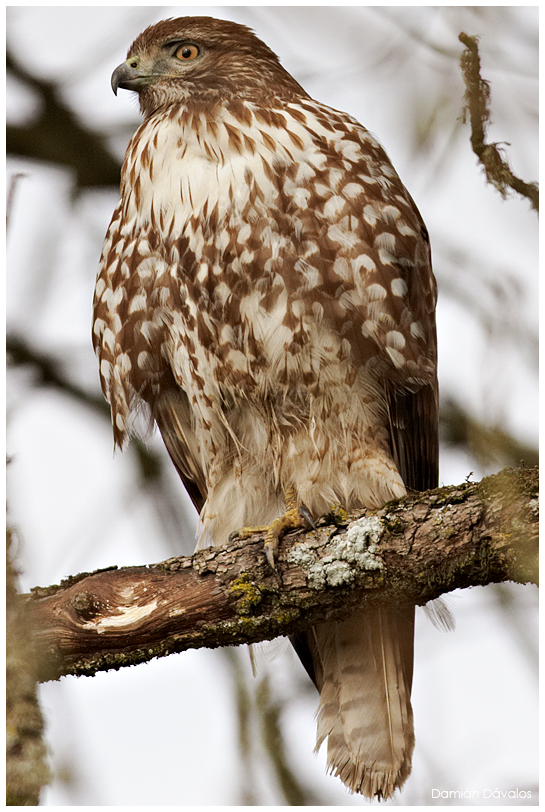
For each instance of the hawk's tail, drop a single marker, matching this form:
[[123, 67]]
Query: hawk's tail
[[363, 669]]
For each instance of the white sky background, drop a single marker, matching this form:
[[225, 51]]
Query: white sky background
[[164, 733]]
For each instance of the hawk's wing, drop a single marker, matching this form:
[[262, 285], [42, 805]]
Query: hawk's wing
[[173, 416], [415, 445]]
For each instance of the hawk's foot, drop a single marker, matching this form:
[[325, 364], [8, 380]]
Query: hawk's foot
[[277, 528], [295, 516]]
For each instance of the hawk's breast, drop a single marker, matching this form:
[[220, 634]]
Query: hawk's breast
[[226, 197], [196, 166], [263, 249]]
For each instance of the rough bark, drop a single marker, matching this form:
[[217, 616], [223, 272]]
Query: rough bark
[[26, 765], [410, 552]]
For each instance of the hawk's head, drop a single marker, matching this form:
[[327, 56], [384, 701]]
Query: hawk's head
[[195, 56]]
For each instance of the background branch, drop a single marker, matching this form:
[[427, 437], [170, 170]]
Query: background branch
[[477, 98], [409, 552], [57, 135], [26, 768]]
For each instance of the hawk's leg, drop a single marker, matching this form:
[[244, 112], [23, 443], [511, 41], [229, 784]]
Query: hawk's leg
[[295, 516]]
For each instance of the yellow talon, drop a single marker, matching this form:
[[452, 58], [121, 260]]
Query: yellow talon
[[277, 529], [292, 518]]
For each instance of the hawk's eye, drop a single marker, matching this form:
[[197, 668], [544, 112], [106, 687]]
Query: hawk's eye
[[186, 53]]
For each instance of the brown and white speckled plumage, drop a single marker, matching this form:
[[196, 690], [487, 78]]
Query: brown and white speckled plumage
[[266, 289]]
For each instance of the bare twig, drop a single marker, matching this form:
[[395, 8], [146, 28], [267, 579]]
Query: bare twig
[[477, 99]]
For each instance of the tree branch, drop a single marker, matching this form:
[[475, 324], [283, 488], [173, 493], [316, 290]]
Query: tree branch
[[26, 754], [477, 98], [409, 552]]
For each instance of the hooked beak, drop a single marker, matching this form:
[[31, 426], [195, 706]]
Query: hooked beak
[[127, 77]]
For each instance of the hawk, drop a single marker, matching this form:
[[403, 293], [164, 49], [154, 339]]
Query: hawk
[[266, 293]]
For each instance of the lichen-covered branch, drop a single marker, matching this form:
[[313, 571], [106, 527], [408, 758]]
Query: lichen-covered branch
[[477, 98], [411, 551]]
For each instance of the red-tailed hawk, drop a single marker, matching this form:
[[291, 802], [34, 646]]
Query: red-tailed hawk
[[266, 289]]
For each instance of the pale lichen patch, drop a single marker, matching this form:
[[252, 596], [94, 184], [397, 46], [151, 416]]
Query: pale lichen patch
[[353, 552], [358, 545], [330, 572], [302, 556]]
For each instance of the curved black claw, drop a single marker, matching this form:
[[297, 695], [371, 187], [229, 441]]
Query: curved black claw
[[270, 551], [304, 514]]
